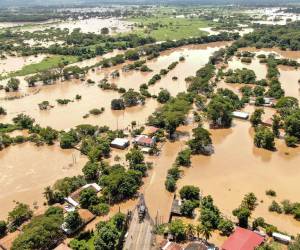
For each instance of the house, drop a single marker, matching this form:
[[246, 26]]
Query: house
[[198, 246], [268, 122], [150, 131], [145, 141], [73, 199], [62, 246], [243, 239], [281, 237], [240, 115], [120, 143], [169, 245]]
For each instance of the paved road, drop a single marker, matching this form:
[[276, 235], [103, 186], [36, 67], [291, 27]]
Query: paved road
[[139, 234]]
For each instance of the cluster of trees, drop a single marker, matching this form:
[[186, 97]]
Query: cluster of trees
[[200, 84], [201, 142], [172, 114], [191, 198], [244, 75], [42, 232], [268, 36], [128, 99], [243, 212]]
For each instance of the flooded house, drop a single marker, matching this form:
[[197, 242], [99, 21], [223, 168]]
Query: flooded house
[[240, 115], [144, 141], [120, 143], [243, 239], [73, 199]]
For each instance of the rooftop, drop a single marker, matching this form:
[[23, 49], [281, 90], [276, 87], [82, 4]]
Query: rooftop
[[242, 239]]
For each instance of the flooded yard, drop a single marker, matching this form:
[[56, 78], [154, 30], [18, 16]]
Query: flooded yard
[[237, 167], [27, 169]]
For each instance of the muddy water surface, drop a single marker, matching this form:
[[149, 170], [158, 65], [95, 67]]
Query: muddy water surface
[[70, 115], [14, 63], [237, 167], [27, 169]]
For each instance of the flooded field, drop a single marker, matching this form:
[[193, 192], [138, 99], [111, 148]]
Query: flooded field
[[14, 63], [227, 175], [67, 116], [233, 171], [26, 171], [86, 25]]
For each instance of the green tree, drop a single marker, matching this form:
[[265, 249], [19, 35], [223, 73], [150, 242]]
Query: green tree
[[106, 237], [177, 228], [42, 232], [243, 214], [206, 231], [201, 142], [170, 184], [91, 171], [264, 138], [3, 228], [19, 214], [88, 197], [24, 121], [255, 118], [163, 96], [276, 124], [292, 124], [249, 201], [219, 111], [13, 84], [226, 227], [73, 220], [134, 157], [184, 157], [189, 193], [188, 207], [190, 231]]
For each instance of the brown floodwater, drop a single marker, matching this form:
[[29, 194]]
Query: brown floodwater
[[227, 175], [26, 170], [70, 115], [237, 167], [93, 25], [14, 63], [259, 69], [289, 78]]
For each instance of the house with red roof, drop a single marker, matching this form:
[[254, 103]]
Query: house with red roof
[[243, 239]]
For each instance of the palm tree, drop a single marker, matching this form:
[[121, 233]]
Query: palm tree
[[206, 231], [190, 231], [198, 230], [49, 195]]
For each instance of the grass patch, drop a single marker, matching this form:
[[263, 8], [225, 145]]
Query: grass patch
[[47, 63], [167, 28]]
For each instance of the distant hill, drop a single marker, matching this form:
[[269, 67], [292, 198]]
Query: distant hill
[[68, 2]]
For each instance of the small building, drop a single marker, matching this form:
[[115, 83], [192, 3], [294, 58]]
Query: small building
[[268, 122], [240, 115], [199, 246], [73, 199], [150, 131], [144, 141], [62, 246], [120, 143], [281, 237], [243, 239], [170, 245]]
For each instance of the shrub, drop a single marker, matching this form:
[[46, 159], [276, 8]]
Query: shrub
[[275, 207], [271, 192]]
